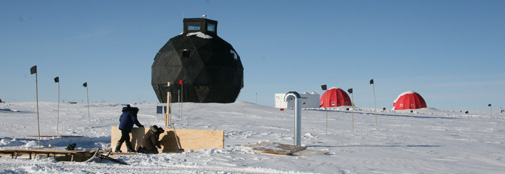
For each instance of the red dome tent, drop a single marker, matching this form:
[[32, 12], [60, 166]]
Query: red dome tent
[[409, 100], [334, 97]]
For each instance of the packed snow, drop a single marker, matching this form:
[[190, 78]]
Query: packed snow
[[422, 141], [200, 35]]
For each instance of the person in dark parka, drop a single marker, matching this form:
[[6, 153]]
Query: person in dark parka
[[126, 121], [151, 142]]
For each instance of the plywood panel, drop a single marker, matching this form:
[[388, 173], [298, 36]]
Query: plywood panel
[[190, 139]]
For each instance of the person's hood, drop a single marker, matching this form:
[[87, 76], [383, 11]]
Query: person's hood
[[127, 108], [134, 110]]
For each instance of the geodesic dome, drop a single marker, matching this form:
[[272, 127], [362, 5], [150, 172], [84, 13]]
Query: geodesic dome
[[199, 65]]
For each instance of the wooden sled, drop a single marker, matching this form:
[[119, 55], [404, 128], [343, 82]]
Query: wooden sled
[[59, 155]]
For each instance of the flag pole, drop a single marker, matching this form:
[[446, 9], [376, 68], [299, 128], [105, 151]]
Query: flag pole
[[87, 98], [352, 105], [326, 109], [37, 93], [33, 70], [323, 87], [179, 101], [491, 110], [58, 119], [167, 114], [374, 103], [182, 95]]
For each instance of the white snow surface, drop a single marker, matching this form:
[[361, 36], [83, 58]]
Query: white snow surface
[[406, 92], [200, 35], [425, 141]]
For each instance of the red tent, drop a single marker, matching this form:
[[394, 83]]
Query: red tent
[[409, 100], [334, 97]]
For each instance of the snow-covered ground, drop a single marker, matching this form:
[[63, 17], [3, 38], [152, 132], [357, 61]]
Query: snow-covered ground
[[425, 141]]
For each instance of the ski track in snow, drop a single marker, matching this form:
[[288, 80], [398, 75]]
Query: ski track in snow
[[424, 141]]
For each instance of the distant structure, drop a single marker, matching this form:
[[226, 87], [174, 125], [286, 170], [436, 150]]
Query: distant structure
[[198, 64], [308, 100], [335, 97], [409, 100]]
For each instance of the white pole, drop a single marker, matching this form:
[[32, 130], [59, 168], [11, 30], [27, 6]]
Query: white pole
[[298, 122], [292, 95]]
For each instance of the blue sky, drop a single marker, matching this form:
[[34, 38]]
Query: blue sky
[[450, 52]]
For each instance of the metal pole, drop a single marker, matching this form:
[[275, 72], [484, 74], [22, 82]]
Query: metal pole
[[292, 95], [37, 97], [298, 122]]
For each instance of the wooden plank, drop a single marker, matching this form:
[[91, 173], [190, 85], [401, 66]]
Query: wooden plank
[[43, 151], [190, 139]]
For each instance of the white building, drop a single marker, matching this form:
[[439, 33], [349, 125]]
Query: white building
[[308, 100]]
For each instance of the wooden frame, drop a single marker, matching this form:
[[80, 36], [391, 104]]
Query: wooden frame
[[190, 139]]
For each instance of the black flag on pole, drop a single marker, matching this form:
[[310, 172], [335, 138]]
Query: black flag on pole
[[33, 70], [349, 90], [57, 80], [85, 84], [371, 81], [323, 87]]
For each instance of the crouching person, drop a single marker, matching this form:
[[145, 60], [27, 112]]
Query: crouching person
[[150, 142]]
